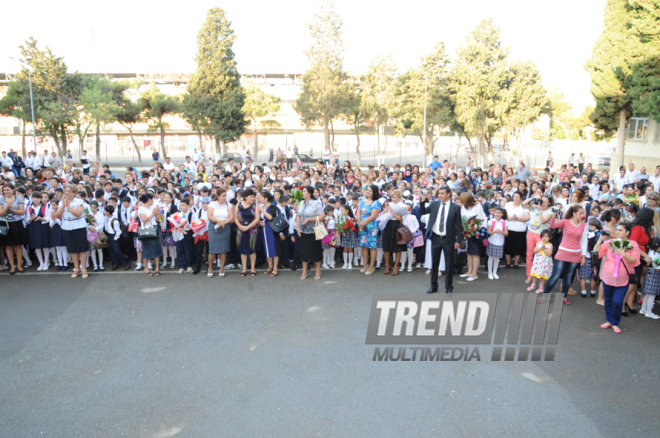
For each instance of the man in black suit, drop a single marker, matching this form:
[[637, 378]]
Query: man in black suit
[[445, 229]]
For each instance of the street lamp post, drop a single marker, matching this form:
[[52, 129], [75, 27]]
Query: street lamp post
[[34, 126]]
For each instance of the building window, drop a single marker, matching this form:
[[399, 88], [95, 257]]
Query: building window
[[637, 128]]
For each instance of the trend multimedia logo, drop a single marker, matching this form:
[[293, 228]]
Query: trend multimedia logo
[[516, 324]]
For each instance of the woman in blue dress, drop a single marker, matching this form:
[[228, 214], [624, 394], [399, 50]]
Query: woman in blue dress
[[268, 212], [247, 221], [368, 211]]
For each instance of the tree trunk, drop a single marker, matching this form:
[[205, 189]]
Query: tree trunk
[[218, 151], [62, 149], [326, 132], [357, 148], [23, 151], [202, 148], [98, 142], [378, 143], [256, 142], [332, 136], [620, 143], [163, 152], [474, 152], [135, 146], [223, 145], [481, 152]]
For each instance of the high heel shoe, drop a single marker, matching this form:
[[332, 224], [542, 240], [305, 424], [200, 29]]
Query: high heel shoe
[[631, 310], [387, 270]]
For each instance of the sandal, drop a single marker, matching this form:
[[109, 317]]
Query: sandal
[[243, 273], [531, 287], [84, 273], [253, 274], [317, 278], [157, 274], [148, 274], [75, 273], [269, 271], [387, 270], [302, 277], [209, 273], [275, 273], [395, 272]]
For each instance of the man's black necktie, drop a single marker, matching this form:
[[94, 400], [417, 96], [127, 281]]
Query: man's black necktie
[[442, 219]]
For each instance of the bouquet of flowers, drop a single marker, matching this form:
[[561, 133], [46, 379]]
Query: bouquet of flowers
[[89, 217], [471, 226], [631, 197], [296, 194], [623, 244], [346, 225], [200, 230], [178, 222], [656, 262]]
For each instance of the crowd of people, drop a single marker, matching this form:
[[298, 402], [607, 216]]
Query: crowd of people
[[559, 224]]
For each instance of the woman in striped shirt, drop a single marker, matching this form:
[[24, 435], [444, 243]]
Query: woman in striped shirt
[[573, 250]]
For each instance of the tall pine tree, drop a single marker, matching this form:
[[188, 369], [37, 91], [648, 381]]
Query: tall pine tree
[[218, 82], [614, 53]]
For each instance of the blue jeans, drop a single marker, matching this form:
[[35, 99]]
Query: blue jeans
[[562, 269], [614, 296]]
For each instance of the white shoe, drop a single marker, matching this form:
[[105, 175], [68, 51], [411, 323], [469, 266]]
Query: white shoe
[[180, 271], [40, 268], [652, 315], [439, 274], [189, 270], [138, 266], [490, 276], [496, 277], [324, 266], [363, 270], [350, 267], [332, 265], [150, 266], [28, 264], [172, 266], [464, 275], [409, 269], [472, 278], [230, 266], [418, 265], [428, 272], [344, 267]]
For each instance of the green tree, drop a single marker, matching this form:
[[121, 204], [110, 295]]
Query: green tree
[[523, 99], [378, 95], [324, 84], [130, 111], [217, 80], [16, 103], [56, 93], [615, 51], [481, 74], [429, 82], [353, 112], [258, 106], [157, 106], [98, 108], [193, 112]]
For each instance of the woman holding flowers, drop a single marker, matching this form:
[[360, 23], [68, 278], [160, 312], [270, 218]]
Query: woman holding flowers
[[620, 258], [473, 216], [514, 245], [393, 213], [573, 249]]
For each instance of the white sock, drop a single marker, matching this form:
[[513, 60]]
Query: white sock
[[379, 256], [100, 257], [26, 257], [46, 252], [92, 254], [649, 304], [326, 256], [40, 257], [345, 257], [409, 252], [350, 257], [61, 255], [333, 252], [404, 256], [584, 292]]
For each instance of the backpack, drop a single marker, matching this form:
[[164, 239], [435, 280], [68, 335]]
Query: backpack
[[123, 238]]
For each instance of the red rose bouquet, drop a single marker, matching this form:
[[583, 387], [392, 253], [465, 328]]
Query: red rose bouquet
[[471, 226], [346, 225], [296, 193]]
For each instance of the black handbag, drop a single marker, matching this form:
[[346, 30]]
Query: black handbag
[[279, 223], [632, 278], [147, 233], [4, 229]]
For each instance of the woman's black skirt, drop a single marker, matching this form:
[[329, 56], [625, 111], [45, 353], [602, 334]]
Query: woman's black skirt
[[514, 243], [16, 236], [311, 250], [389, 237], [76, 241], [474, 246]]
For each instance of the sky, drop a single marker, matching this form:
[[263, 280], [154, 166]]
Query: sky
[[160, 37]]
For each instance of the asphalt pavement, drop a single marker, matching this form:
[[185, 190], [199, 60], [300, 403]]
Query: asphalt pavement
[[122, 355]]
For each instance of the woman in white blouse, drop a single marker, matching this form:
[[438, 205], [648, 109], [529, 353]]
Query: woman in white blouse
[[469, 209], [221, 216], [151, 249], [71, 210], [517, 216]]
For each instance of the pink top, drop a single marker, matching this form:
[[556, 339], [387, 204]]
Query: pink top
[[573, 242], [607, 273]]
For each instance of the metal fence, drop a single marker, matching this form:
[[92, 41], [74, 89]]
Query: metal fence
[[373, 150]]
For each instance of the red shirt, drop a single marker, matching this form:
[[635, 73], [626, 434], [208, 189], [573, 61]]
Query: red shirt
[[638, 235]]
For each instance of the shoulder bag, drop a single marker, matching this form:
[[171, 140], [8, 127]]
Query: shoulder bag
[[319, 230], [4, 229], [632, 278], [279, 222], [101, 240]]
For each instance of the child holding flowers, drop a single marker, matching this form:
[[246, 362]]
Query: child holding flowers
[[346, 226]]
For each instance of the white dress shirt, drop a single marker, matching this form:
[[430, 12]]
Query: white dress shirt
[[436, 225]]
